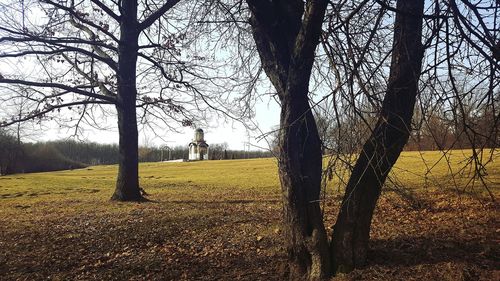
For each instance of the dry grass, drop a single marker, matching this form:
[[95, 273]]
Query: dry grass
[[220, 220]]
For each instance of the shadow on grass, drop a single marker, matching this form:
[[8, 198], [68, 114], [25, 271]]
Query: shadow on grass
[[217, 202]]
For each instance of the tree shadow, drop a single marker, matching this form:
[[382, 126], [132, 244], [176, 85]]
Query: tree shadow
[[218, 202], [409, 251]]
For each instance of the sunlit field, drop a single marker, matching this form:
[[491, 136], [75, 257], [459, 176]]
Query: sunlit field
[[220, 220]]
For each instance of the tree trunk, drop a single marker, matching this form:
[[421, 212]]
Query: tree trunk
[[300, 164], [127, 183], [352, 230], [286, 34]]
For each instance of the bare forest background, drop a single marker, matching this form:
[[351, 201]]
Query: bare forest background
[[19, 157], [439, 130]]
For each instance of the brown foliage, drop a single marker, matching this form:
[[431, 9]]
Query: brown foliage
[[236, 238]]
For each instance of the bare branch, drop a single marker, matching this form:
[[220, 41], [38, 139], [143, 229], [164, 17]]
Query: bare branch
[[76, 90], [107, 10], [157, 14]]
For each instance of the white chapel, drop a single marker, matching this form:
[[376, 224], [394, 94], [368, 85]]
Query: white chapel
[[198, 148]]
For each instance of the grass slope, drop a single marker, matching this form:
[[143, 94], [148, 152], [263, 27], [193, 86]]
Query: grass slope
[[220, 220]]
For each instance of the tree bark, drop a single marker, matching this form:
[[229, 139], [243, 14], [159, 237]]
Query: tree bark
[[127, 183], [351, 233], [300, 164], [286, 34]]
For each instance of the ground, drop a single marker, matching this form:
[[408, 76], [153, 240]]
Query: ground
[[220, 220]]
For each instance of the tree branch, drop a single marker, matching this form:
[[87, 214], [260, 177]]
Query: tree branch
[[61, 43], [93, 81], [156, 15], [73, 12], [40, 113], [75, 90], [106, 9]]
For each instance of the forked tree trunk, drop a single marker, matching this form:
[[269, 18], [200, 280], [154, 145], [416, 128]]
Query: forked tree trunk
[[352, 230], [286, 34], [127, 183]]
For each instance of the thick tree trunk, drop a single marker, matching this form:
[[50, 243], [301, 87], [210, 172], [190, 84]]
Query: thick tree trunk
[[127, 183], [286, 33], [352, 230], [300, 163]]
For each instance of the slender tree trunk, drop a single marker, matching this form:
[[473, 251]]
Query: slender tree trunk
[[352, 230], [286, 33], [127, 183]]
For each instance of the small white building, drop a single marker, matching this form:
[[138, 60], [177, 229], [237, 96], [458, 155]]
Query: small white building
[[198, 148]]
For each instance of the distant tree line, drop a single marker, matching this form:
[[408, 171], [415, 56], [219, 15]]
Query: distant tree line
[[218, 151], [441, 129], [90, 153], [435, 128], [18, 157], [9, 152]]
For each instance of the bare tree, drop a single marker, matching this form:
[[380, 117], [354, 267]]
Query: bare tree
[[286, 34], [381, 150], [459, 77], [93, 56], [367, 79]]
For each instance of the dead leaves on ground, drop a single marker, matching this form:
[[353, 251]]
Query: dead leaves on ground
[[206, 238]]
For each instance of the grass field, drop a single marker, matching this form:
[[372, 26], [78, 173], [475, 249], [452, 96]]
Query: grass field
[[220, 220]]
